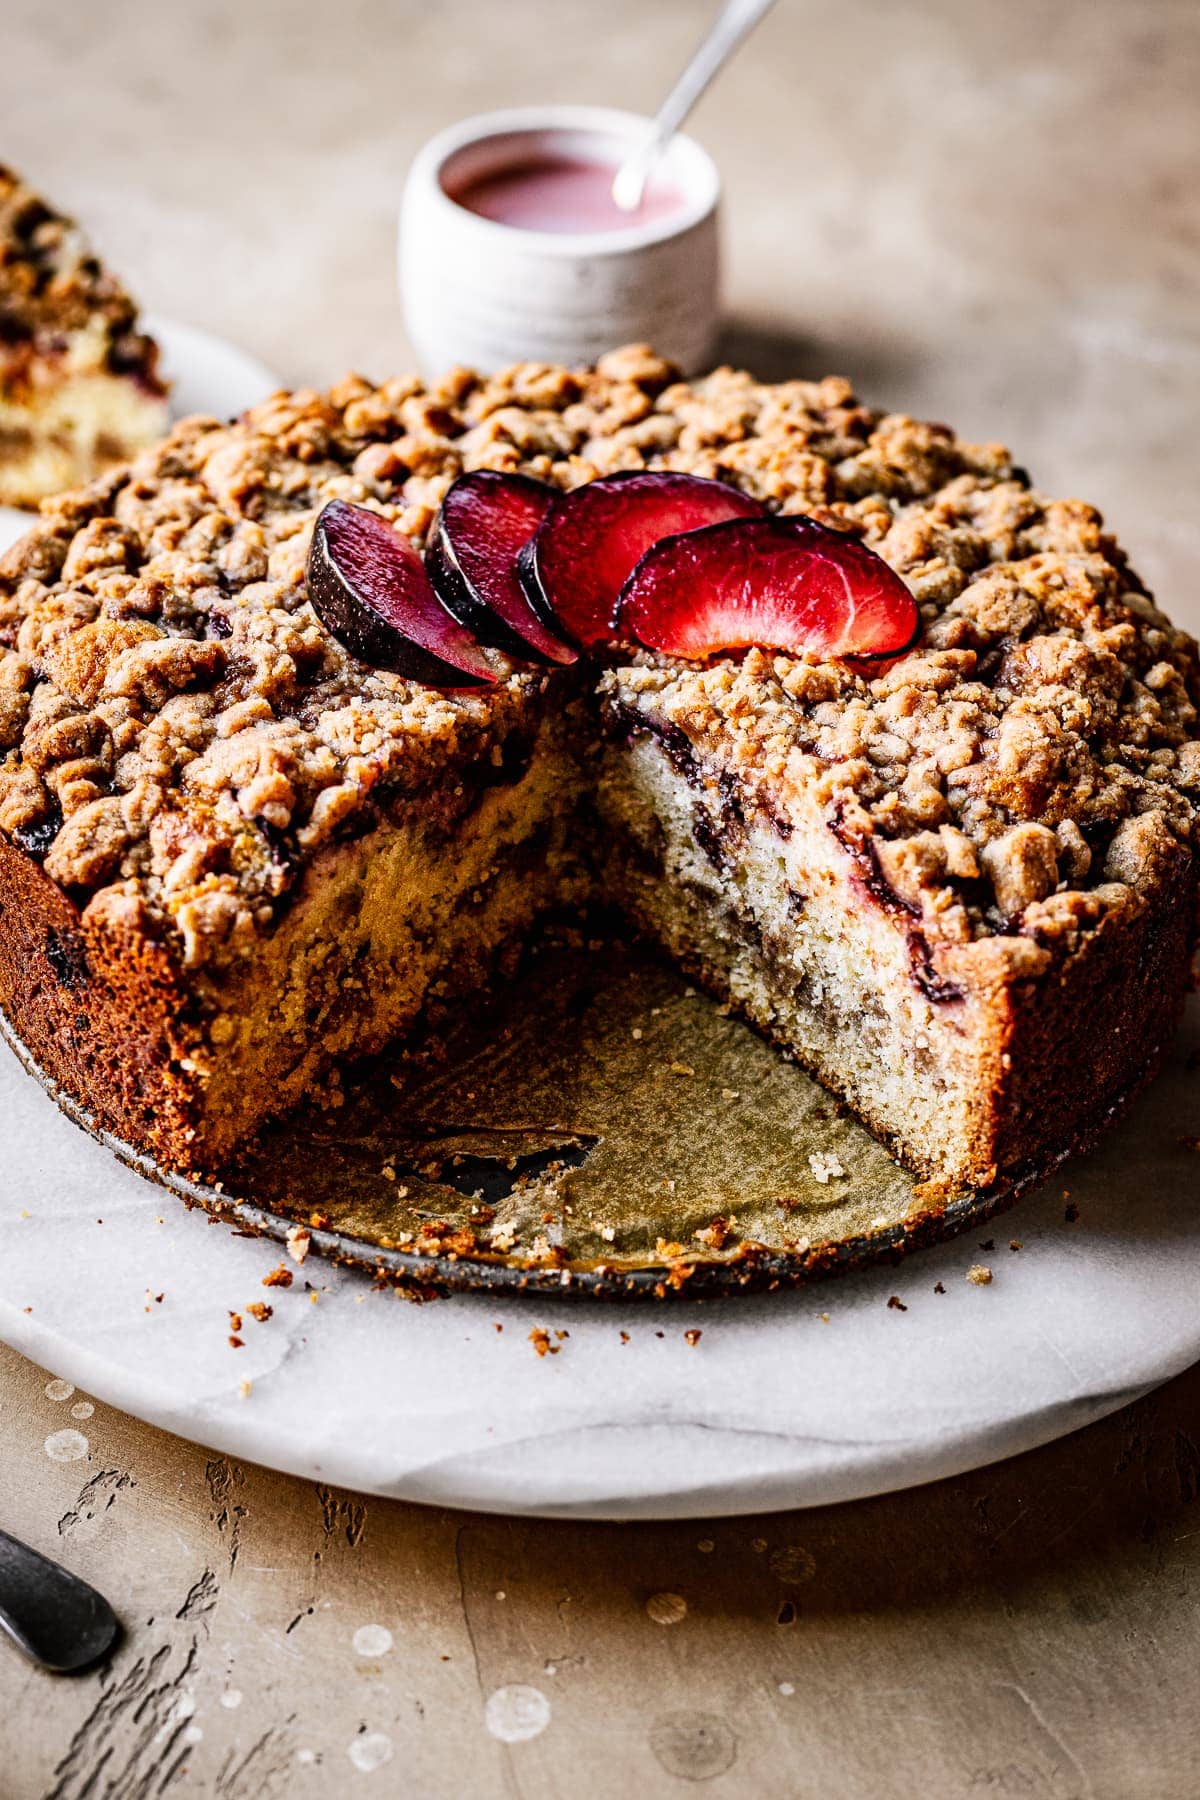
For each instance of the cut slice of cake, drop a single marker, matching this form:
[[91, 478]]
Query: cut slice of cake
[[960, 884], [946, 985], [79, 382]]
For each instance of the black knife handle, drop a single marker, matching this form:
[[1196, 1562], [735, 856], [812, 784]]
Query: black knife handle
[[52, 1615]]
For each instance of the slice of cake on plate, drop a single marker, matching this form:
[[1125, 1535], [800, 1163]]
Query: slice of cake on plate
[[79, 382], [926, 815]]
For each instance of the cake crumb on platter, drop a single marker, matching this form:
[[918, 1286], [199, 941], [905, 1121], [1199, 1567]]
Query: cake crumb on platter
[[826, 1166], [714, 1235], [979, 1274]]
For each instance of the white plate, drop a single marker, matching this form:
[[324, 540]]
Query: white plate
[[208, 375], [786, 1400]]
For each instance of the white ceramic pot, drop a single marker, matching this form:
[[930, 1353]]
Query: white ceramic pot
[[484, 294]]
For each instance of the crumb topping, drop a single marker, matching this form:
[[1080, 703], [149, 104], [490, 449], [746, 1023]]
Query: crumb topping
[[179, 731], [54, 289]]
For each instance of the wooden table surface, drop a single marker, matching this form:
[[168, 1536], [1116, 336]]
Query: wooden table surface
[[989, 213]]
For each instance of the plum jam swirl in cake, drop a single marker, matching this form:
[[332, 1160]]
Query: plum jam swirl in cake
[[936, 884]]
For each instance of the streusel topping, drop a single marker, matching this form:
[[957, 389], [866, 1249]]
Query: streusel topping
[[172, 711]]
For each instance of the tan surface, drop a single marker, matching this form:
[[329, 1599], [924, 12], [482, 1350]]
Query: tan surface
[[1029, 1630], [987, 213]]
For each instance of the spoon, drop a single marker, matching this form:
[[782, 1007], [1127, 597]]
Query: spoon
[[51, 1615], [735, 21]]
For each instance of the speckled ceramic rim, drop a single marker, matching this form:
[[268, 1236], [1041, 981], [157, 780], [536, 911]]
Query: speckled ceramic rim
[[488, 139], [748, 1273]]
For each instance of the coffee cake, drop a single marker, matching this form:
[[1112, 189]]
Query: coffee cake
[[79, 381], [961, 890]]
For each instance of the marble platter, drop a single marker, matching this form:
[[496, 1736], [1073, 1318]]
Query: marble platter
[[849, 1387], [787, 1399]]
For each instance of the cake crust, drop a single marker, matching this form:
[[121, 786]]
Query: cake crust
[[183, 740]]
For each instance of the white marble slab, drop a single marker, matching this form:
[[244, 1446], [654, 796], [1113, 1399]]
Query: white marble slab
[[775, 1406]]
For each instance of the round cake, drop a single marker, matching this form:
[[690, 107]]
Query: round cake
[[960, 885]]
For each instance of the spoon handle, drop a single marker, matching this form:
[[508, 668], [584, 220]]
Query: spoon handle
[[735, 21], [51, 1615]]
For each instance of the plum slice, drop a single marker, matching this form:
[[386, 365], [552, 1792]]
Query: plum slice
[[484, 523], [781, 583], [369, 587], [574, 567]]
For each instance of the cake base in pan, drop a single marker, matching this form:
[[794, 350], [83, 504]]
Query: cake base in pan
[[600, 1128]]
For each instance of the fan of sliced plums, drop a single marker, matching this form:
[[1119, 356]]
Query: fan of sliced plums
[[670, 561]]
